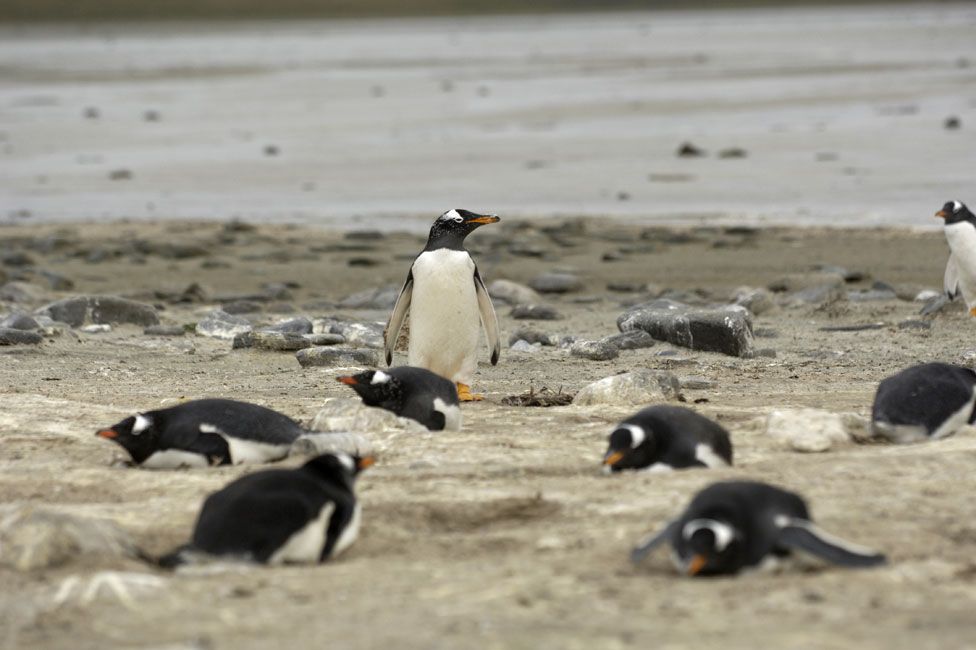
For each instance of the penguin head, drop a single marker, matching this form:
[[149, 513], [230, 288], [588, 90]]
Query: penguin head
[[450, 229], [631, 446], [709, 546], [376, 388], [955, 212], [339, 467], [138, 435]]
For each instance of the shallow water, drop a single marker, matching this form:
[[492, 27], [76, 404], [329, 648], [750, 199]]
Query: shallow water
[[376, 123]]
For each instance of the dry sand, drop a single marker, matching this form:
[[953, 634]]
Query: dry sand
[[504, 534]]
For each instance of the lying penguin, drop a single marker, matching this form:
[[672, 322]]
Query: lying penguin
[[411, 393], [929, 401], [205, 432], [303, 515], [662, 438], [738, 525], [448, 304]]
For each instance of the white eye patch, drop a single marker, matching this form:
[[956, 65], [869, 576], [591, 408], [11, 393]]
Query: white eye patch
[[380, 377], [956, 206], [637, 435], [141, 424], [451, 214], [347, 461], [723, 532]]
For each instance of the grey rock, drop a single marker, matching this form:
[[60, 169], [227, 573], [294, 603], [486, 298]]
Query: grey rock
[[848, 275], [764, 353], [697, 383], [567, 341], [868, 295], [21, 292], [369, 335], [911, 324], [96, 328], [350, 414], [594, 350], [535, 312], [756, 300], [20, 321], [637, 388], [17, 258], [10, 336], [555, 282], [274, 341], [219, 324], [632, 340], [300, 325], [380, 298], [926, 295], [531, 335], [101, 310], [513, 293], [329, 357], [727, 329], [164, 330], [800, 281], [524, 346], [316, 443], [325, 339], [811, 430], [242, 307], [818, 295]]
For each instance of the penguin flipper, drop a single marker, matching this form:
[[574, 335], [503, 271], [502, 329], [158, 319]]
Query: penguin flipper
[[399, 313], [488, 317], [803, 535], [651, 542], [951, 280]]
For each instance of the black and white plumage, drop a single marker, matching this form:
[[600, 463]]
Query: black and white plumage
[[929, 401], [303, 515], [409, 392], [448, 304], [737, 525], [960, 232], [205, 432], [662, 438]]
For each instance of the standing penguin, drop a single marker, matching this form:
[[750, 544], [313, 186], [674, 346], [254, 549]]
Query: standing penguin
[[304, 515], [205, 432], [448, 305], [736, 525], [411, 393], [928, 401], [661, 438], [960, 232]]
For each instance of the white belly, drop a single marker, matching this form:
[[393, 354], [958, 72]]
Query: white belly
[[174, 459], [305, 546], [445, 323], [962, 242], [249, 451]]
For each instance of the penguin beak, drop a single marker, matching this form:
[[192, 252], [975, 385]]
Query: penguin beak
[[366, 461], [347, 380], [942, 214], [697, 563], [483, 219], [107, 433], [613, 458]]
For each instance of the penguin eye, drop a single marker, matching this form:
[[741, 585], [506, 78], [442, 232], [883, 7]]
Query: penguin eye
[[458, 219]]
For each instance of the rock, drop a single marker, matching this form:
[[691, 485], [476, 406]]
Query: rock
[[32, 537], [818, 295], [323, 443], [164, 330], [556, 283], [926, 295], [848, 274], [594, 350], [242, 307], [733, 152], [171, 250], [535, 312], [632, 340], [96, 329], [101, 310], [17, 258], [19, 321], [696, 383], [56, 281], [952, 123], [834, 276], [513, 293], [221, 325], [727, 329], [637, 388], [758, 301], [688, 150], [526, 347], [878, 291], [21, 292], [531, 335], [300, 325], [810, 430], [329, 357], [911, 324], [350, 414], [10, 336], [369, 335], [381, 298], [325, 339], [274, 341]]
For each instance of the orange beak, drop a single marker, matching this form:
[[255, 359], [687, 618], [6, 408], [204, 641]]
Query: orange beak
[[697, 563], [613, 458], [367, 461], [942, 214], [486, 219], [347, 380], [108, 433]]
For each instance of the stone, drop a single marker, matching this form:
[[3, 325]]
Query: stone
[[21, 292], [19, 321], [164, 330], [315, 443], [756, 300], [17, 258], [33, 537], [274, 341], [513, 293], [833, 276], [242, 307], [725, 329], [325, 339], [350, 414], [594, 350], [526, 347], [380, 298], [818, 295], [219, 324], [531, 335], [330, 357], [369, 335], [554, 282], [300, 325], [636, 388], [632, 340], [696, 383], [535, 312], [688, 150], [11, 336], [812, 430], [101, 310], [96, 329], [926, 295], [912, 324]]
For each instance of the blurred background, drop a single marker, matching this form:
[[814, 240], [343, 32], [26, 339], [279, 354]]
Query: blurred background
[[373, 113]]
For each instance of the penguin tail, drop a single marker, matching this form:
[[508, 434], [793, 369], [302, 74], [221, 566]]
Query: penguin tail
[[175, 558]]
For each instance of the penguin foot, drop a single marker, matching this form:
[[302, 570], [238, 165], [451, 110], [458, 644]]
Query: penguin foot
[[972, 312], [465, 394]]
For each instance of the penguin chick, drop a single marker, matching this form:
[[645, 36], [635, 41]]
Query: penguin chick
[[413, 393], [929, 401], [736, 525], [662, 438], [960, 273], [205, 432], [448, 305], [303, 515]]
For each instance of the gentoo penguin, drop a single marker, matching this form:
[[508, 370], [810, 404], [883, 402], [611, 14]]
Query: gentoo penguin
[[205, 432], [960, 232], [737, 525], [928, 401], [413, 393], [662, 438], [448, 304], [303, 515]]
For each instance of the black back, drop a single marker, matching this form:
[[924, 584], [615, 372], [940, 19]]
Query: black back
[[409, 393], [672, 434], [926, 395]]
